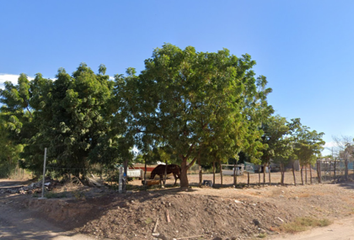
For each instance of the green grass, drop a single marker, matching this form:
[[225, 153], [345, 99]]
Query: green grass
[[55, 195], [303, 223], [51, 195], [262, 235], [148, 221]]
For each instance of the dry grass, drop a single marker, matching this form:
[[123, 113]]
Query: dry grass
[[303, 223], [304, 195]]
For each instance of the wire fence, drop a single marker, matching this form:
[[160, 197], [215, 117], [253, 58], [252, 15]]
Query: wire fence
[[335, 171], [321, 172]]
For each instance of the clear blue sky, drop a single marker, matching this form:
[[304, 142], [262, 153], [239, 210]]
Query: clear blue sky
[[305, 48]]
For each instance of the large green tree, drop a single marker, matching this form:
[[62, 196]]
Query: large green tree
[[185, 99], [10, 151], [76, 117], [69, 116], [17, 117]]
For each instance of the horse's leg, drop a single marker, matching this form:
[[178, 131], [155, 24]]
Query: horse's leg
[[174, 174], [161, 178]]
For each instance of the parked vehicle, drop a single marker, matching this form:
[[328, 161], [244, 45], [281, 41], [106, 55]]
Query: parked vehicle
[[229, 169]]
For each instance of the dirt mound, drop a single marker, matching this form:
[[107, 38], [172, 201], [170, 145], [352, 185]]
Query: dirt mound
[[214, 214], [186, 215], [199, 213]]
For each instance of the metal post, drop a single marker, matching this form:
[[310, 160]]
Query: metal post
[[45, 159]]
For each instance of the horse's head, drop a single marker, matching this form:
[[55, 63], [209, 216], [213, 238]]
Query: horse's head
[[153, 174]]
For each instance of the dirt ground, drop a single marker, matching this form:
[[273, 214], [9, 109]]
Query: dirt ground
[[199, 213], [341, 229]]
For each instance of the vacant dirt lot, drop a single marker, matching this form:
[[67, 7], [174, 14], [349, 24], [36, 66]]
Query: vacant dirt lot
[[199, 213]]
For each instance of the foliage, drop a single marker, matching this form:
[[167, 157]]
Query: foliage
[[10, 152], [344, 147], [190, 102], [276, 140], [68, 116], [15, 122], [307, 144], [77, 116], [185, 105]]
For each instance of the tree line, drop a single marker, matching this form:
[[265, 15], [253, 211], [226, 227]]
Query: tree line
[[183, 107]]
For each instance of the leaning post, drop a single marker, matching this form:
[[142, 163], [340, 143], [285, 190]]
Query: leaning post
[[45, 159]]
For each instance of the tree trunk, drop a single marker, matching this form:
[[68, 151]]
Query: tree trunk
[[319, 172], [264, 173], [111, 177], [101, 170], [145, 170], [302, 175], [294, 175], [221, 176], [335, 166], [310, 174], [200, 173], [346, 169], [125, 175], [235, 177], [282, 173], [306, 174], [184, 177], [214, 173], [248, 178], [165, 175]]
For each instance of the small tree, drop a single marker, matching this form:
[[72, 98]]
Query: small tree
[[345, 150], [276, 143], [308, 144]]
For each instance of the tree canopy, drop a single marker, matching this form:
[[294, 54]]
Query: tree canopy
[[182, 106], [188, 101]]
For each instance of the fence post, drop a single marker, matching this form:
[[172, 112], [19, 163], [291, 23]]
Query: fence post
[[120, 178], [319, 172], [45, 159]]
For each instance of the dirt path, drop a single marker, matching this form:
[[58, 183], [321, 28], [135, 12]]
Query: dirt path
[[20, 223], [340, 230]]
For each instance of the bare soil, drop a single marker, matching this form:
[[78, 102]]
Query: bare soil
[[223, 212]]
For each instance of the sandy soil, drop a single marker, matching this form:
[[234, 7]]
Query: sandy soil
[[18, 222], [340, 230], [199, 213]]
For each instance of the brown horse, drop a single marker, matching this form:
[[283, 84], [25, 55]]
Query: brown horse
[[171, 168]]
